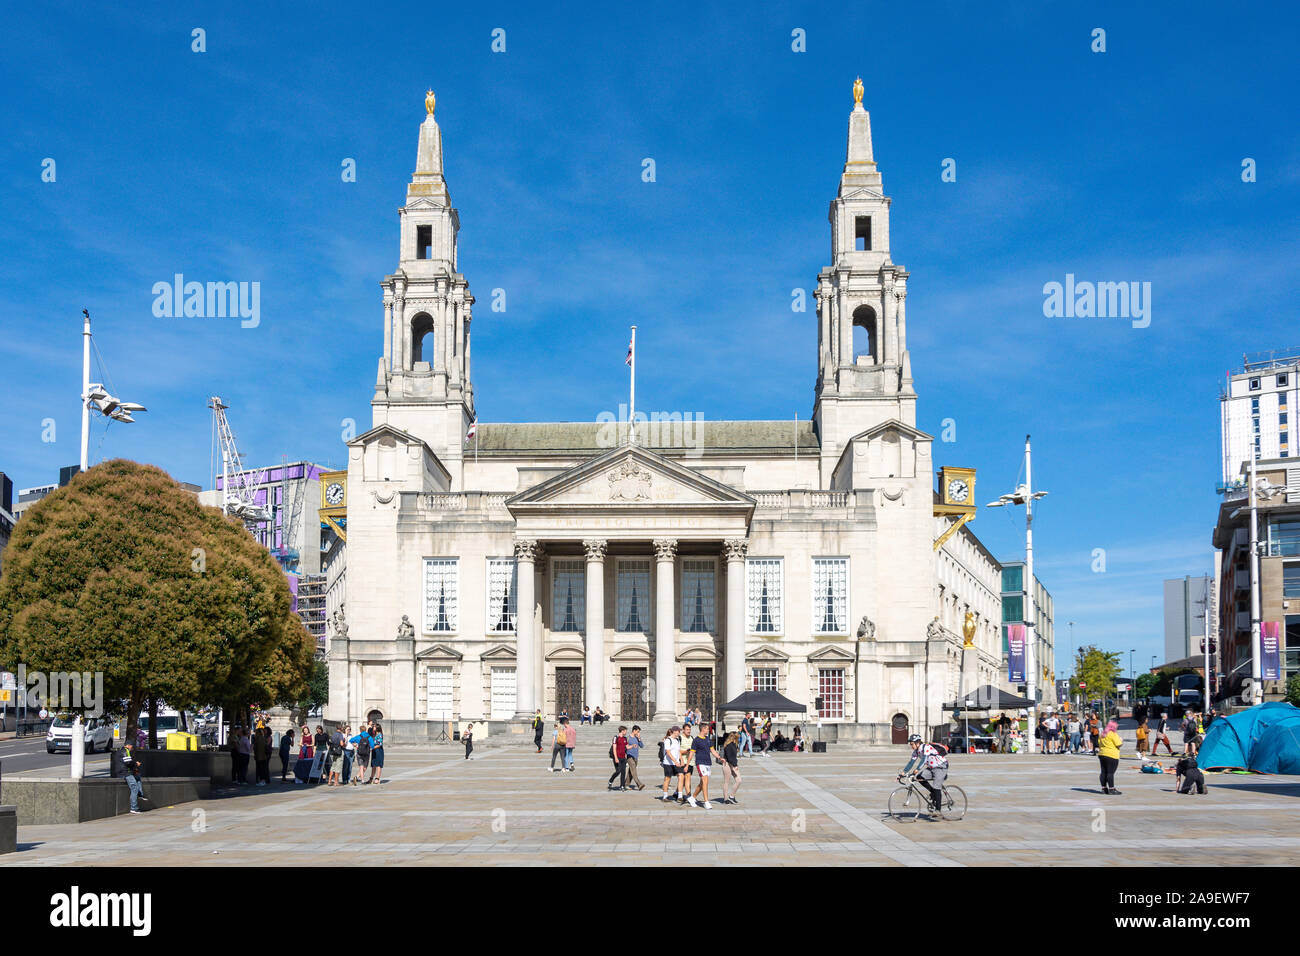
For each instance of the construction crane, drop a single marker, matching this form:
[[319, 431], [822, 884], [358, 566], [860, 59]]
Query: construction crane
[[237, 484]]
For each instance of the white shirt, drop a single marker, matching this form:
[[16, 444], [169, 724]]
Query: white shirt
[[672, 751]]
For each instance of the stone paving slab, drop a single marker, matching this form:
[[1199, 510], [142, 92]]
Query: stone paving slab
[[435, 809]]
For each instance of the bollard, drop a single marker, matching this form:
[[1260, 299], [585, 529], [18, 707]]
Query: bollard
[[78, 748]]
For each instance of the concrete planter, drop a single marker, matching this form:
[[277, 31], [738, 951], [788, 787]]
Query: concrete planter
[[8, 829], [38, 801]]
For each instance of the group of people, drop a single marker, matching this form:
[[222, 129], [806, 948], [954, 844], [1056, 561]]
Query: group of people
[[1193, 726], [683, 752], [344, 756]]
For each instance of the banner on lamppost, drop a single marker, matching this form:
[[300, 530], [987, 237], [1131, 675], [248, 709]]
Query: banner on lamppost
[[1270, 663], [1016, 653]]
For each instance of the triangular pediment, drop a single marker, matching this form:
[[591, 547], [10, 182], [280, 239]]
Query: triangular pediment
[[831, 653], [864, 192], [628, 477], [439, 652]]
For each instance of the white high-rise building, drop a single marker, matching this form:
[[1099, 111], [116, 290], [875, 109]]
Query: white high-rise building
[[1255, 410]]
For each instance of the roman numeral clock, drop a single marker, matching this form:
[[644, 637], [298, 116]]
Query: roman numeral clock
[[956, 498], [334, 502]]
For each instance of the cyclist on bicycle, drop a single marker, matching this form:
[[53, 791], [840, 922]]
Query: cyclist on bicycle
[[930, 765]]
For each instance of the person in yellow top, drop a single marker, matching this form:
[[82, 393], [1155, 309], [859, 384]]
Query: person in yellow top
[[1108, 745]]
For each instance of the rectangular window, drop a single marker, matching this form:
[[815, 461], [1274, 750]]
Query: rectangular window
[[699, 580], [635, 612], [830, 598], [423, 242], [441, 587], [502, 580], [862, 234], [763, 678], [440, 693], [569, 594], [1013, 578], [1284, 537], [1013, 610], [1291, 580], [503, 693], [763, 576], [830, 688], [1254, 385], [1281, 381]]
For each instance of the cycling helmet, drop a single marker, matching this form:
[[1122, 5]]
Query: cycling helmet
[[914, 739]]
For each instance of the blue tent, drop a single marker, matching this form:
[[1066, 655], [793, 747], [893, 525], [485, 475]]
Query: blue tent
[[1265, 739]]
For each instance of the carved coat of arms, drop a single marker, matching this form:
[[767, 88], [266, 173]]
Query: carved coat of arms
[[628, 482]]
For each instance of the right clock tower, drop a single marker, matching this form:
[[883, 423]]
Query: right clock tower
[[864, 374]]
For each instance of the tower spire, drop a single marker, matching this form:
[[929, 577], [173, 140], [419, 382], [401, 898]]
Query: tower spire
[[428, 179], [859, 164]]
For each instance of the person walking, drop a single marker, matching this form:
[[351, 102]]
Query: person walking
[[686, 742], [618, 753], [670, 755], [539, 726], [1108, 754], [1142, 734], [570, 745], [467, 735], [376, 754], [1004, 733], [730, 769], [262, 756], [1161, 735], [704, 754], [286, 750], [557, 746], [746, 735], [634, 747]]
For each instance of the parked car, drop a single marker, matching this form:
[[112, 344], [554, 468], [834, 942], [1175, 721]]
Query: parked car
[[169, 722], [97, 733]]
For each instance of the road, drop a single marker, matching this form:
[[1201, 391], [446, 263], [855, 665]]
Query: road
[[27, 755]]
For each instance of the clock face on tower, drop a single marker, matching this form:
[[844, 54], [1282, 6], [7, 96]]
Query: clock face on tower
[[958, 491], [334, 493]]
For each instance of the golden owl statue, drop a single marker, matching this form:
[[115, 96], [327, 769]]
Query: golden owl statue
[[429, 101], [968, 629], [857, 91]]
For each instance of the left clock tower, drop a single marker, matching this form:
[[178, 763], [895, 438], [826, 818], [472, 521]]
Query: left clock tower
[[423, 384]]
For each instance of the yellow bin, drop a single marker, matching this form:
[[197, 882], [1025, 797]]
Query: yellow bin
[[182, 741]]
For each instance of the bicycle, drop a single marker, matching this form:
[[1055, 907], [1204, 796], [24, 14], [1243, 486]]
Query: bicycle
[[910, 800]]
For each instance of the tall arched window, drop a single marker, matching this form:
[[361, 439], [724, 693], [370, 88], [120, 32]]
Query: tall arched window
[[864, 333], [422, 331]]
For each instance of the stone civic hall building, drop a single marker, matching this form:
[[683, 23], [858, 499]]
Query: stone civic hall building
[[567, 564]]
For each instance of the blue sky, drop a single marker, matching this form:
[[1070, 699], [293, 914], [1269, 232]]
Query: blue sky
[[1115, 166]]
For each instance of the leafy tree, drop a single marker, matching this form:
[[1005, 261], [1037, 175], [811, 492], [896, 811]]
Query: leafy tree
[[1164, 685], [1293, 690], [122, 572], [1142, 687], [1096, 668]]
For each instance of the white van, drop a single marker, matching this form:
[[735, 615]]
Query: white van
[[97, 733], [169, 722]]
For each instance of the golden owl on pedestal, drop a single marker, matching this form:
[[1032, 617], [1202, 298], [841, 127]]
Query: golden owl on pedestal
[[968, 630], [857, 91], [429, 101]]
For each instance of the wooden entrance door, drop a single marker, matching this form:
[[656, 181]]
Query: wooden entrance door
[[568, 692], [898, 729], [633, 690], [699, 690]]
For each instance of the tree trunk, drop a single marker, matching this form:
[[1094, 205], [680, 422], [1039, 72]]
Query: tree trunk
[[153, 723], [134, 705]]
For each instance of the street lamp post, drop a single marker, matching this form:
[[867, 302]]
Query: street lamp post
[[95, 395], [1025, 495], [1132, 679]]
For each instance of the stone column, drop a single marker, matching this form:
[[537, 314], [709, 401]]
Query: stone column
[[665, 631], [402, 339], [594, 676], [526, 554], [388, 343], [735, 647]]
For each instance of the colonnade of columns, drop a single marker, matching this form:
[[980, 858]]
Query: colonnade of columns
[[529, 551]]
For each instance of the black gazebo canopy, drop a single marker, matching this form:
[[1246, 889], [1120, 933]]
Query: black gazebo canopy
[[988, 697], [764, 700]]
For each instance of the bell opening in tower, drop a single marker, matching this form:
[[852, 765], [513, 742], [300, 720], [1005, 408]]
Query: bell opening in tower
[[423, 242], [862, 234]]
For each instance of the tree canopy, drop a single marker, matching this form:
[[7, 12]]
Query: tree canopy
[[1096, 668], [123, 572]]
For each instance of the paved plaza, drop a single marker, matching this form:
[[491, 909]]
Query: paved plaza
[[797, 809]]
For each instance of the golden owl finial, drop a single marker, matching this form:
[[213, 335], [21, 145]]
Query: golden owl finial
[[857, 91], [968, 629], [429, 101]]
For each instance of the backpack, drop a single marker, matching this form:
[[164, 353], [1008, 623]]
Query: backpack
[[363, 748], [661, 751], [336, 750]]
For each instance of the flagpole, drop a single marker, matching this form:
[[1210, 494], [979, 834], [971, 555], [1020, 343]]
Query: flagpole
[[631, 418]]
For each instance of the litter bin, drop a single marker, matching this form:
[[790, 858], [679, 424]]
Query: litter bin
[[182, 741]]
